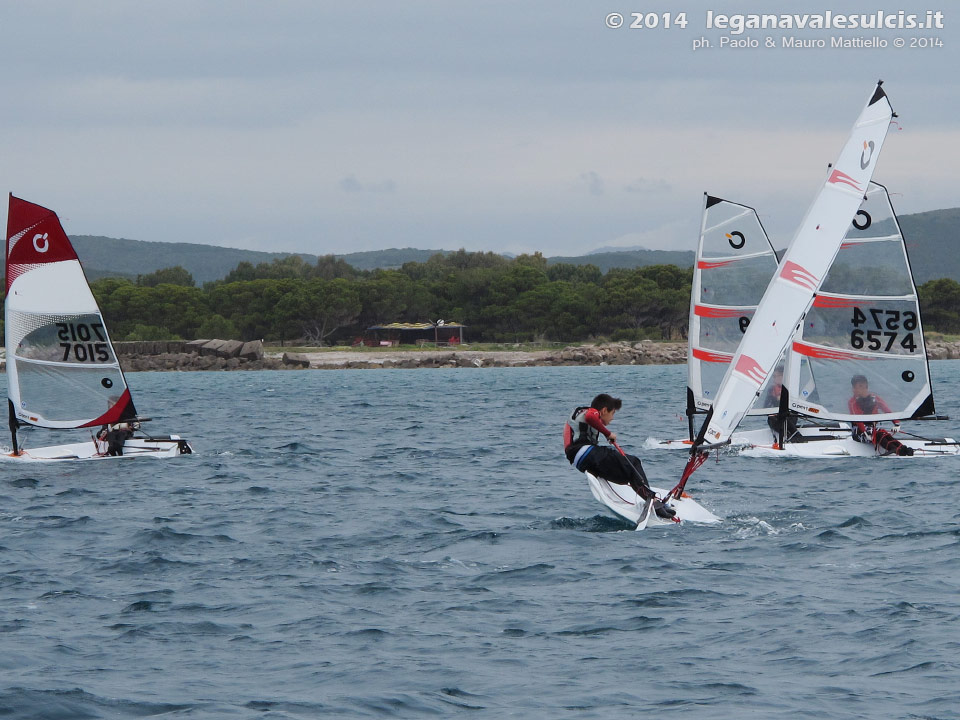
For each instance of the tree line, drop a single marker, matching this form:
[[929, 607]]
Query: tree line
[[499, 299]]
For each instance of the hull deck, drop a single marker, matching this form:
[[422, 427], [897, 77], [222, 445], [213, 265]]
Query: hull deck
[[164, 447]]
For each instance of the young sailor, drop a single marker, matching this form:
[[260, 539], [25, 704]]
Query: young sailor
[[581, 444], [863, 402]]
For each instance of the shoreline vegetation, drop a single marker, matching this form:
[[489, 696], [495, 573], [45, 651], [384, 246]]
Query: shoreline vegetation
[[179, 356]]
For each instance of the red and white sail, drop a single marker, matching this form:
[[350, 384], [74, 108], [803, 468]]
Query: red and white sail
[[735, 262], [801, 271], [62, 371], [864, 321]]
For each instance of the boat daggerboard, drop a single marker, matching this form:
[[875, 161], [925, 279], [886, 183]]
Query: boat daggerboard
[[800, 272], [62, 371], [734, 264], [864, 320]]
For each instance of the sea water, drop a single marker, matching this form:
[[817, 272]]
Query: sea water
[[413, 543]]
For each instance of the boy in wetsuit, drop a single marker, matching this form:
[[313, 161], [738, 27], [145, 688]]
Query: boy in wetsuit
[[581, 445], [863, 402]]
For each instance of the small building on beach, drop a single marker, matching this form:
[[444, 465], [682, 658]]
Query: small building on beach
[[397, 333]]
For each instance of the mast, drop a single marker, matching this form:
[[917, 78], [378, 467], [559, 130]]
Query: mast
[[14, 424]]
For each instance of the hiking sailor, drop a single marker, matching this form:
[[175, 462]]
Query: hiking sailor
[[581, 444], [863, 402]]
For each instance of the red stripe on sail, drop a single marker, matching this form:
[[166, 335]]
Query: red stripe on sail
[[708, 356], [123, 410], [750, 368], [824, 353], [714, 312], [838, 177], [799, 275], [823, 301], [710, 265], [34, 237]]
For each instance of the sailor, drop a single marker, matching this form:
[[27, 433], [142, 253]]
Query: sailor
[[864, 402], [581, 444], [115, 435]]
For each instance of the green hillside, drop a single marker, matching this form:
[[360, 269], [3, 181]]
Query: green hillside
[[629, 259], [120, 257], [929, 236], [932, 244]]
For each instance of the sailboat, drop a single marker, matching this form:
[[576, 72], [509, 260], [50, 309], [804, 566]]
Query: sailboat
[[793, 290], [62, 370], [863, 324], [734, 264], [870, 280]]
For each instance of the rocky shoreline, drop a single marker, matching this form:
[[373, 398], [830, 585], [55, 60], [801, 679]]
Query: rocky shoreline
[[236, 355]]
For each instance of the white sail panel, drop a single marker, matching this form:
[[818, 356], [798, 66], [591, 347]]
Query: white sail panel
[[865, 323], [62, 371], [801, 271], [734, 264]]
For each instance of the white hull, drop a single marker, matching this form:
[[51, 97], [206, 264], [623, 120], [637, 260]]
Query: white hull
[[136, 447], [821, 442], [623, 501]]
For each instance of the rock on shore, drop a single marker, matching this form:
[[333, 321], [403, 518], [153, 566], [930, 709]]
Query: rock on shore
[[211, 354]]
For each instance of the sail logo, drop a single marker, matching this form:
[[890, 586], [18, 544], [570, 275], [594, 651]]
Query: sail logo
[[41, 243], [838, 177], [865, 158], [749, 367], [799, 276], [740, 239]]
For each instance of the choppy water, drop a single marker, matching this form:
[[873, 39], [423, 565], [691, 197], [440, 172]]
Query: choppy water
[[412, 543]]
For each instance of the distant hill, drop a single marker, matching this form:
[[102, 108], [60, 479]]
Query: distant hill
[[121, 257], [929, 236], [629, 258], [931, 239], [387, 259]]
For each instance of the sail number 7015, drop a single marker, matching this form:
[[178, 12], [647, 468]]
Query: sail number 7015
[[85, 342], [887, 325]]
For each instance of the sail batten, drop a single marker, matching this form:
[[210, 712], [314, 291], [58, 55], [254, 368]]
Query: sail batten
[[62, 370]]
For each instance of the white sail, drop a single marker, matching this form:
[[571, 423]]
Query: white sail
[[863, 322], [734, 264], [62, 371], [801, 271]]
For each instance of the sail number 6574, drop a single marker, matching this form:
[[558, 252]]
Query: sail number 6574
[[887, 325]]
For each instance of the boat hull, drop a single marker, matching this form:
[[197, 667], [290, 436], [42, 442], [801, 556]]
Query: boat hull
[[136, 447], [821, 442], [622, 500]]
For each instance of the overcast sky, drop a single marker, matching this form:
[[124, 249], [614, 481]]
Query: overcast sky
[[492, 125]]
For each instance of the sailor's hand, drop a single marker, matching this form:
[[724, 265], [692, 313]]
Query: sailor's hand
[[612, 437]]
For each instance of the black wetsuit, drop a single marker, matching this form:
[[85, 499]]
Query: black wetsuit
[[581, 438]]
